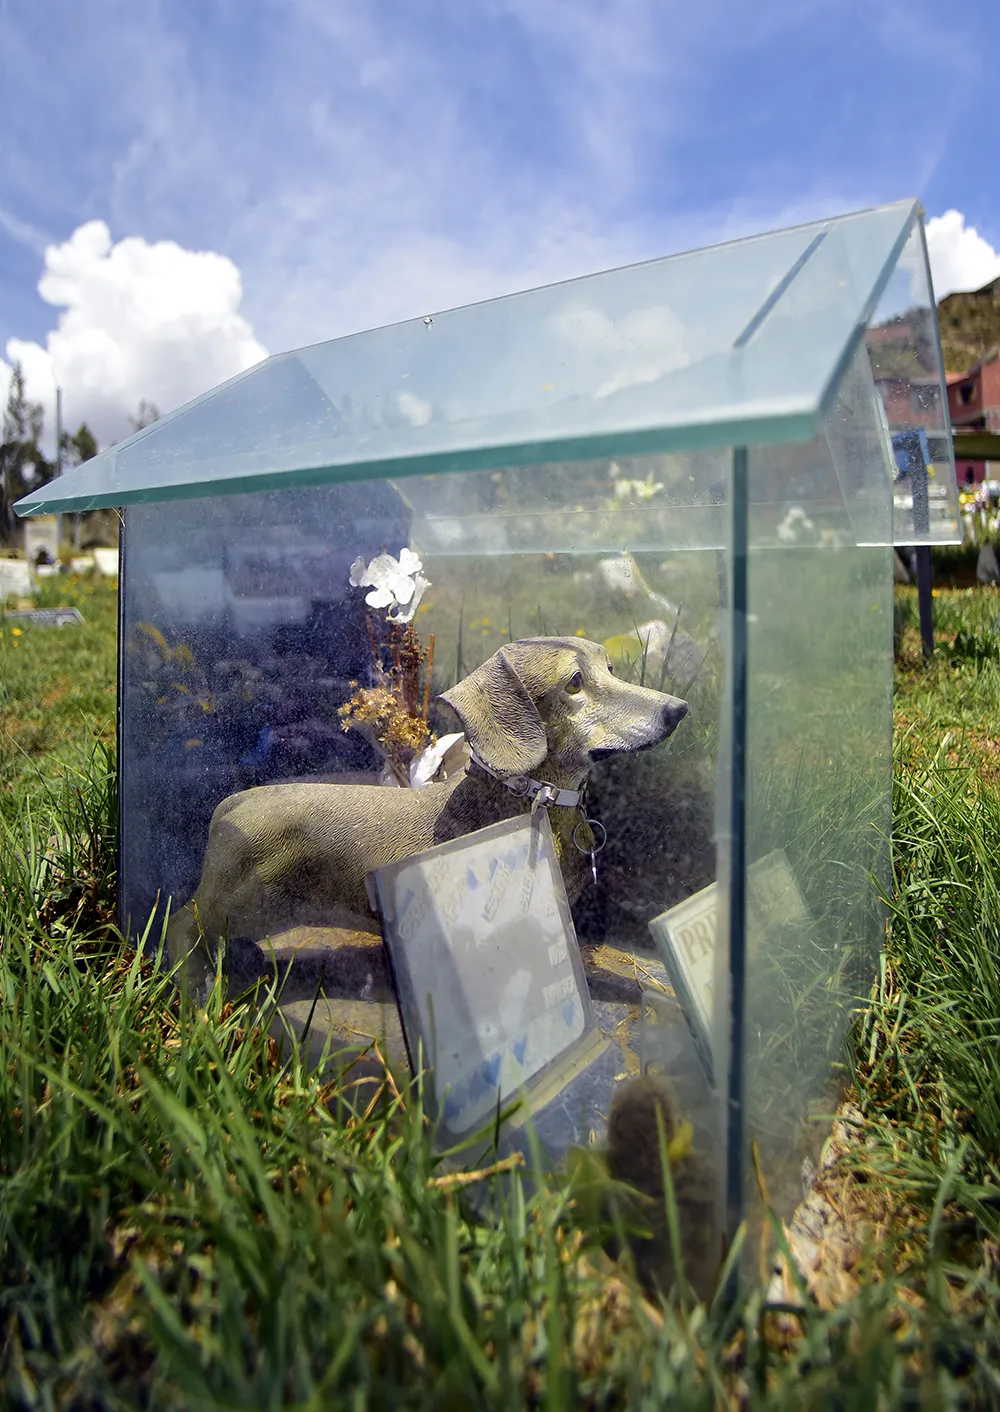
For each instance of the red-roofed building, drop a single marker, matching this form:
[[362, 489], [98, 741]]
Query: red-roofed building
[[974, 405]]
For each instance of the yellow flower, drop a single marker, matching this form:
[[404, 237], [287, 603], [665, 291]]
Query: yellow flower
[[680, 1144], [580, 632], [15, 632]]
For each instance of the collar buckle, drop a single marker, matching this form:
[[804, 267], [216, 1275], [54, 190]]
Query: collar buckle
[[540, 792]]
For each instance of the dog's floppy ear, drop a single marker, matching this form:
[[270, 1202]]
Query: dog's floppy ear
[[499, 717]]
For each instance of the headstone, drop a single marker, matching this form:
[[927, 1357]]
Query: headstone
[[191, 595], [15, 578], [106, 561], [988, 567], [672, 657], [41, 535], [83, 565]]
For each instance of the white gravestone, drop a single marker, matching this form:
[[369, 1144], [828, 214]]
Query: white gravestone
[[41, 532], [107, 562], [15, 579]]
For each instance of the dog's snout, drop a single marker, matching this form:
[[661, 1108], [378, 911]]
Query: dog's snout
[[674, 712]]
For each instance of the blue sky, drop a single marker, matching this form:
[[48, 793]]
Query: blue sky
[[364, 162]]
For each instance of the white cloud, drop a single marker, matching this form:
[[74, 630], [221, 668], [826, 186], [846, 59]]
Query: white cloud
[[139, 321], [417, 412], [642, 345], [960, 258]]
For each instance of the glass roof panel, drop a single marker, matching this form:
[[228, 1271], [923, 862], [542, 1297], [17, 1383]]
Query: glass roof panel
[[741, 343]]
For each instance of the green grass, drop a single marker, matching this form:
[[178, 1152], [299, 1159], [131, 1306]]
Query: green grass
[[57, 685], [188, 1221]]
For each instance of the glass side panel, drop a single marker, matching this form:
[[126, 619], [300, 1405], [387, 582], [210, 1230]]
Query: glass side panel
[[739, 343], [246, 648], [250, 658], [818, 810], [239, 640], [905, 352]]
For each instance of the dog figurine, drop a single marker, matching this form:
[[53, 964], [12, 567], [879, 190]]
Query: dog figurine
[[537, 716]]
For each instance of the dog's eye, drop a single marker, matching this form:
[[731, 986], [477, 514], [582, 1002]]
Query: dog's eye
[[611, 669], [575, 683]]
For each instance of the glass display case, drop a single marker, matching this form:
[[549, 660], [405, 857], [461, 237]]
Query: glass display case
[[519, 680]]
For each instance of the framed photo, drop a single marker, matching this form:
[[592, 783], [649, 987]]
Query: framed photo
[[491, 987]]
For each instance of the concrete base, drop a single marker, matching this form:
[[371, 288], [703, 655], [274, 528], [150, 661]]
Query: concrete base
[[337, 998]]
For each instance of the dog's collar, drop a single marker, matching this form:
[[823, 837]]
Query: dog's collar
[[525, 787]]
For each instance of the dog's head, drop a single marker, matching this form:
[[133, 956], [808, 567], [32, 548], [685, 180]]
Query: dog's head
[[555, 699]]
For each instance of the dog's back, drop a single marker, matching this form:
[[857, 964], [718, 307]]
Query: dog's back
[[297, 854]]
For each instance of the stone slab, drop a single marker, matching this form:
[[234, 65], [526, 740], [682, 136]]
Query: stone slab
[[337, 979], [338, 1037], [352, 963], [45, 617]]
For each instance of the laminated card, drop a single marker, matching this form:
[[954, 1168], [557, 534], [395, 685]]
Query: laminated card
[[490, 982]]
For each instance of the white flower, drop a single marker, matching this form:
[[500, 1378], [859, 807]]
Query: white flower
[[420, 586], [796, 525], [425, 766], [396, 584], [637, 489]]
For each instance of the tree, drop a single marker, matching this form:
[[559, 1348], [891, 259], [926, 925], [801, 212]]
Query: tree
[[147, 414], [81, 446], [22, 465]]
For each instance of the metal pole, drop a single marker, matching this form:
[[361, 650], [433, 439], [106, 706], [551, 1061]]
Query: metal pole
[[58, 457], [910, 451], [925, 600], [735, 932], [922, 553]]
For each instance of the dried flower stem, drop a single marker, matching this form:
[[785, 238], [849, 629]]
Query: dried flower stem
[[396, 668], [389, 713], [369, 620], [427, 683], [453, 1179]]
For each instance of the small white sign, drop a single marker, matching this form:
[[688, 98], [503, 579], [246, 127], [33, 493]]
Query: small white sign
[[490, 982], [686, 938]]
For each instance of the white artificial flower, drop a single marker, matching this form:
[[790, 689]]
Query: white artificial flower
[[637, 489], [795, 526], [407, 614], [409, 562], [424, 767], [396, 584]]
